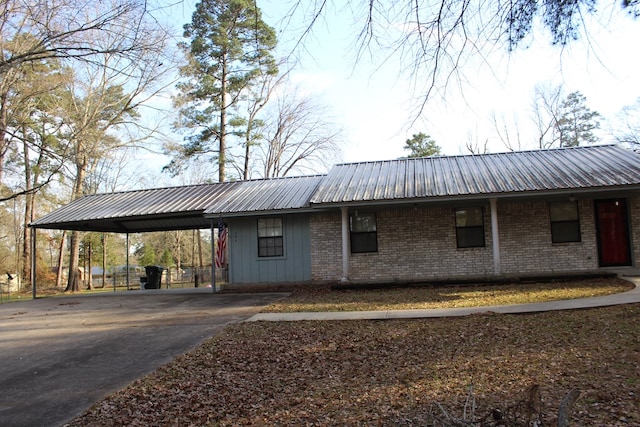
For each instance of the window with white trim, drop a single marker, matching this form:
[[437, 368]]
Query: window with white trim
[[270, 237]]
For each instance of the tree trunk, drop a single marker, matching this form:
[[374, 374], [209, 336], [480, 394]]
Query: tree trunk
[[200, 255], [73, 284], [63, 239], [222, 157], [28, 214], [4, 144], [178, 254], [247, 154]]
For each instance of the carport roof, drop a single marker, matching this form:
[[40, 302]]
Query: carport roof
[[176, 208]]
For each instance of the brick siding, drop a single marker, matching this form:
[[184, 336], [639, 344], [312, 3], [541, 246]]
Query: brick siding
[[525, 240], [420, 244]]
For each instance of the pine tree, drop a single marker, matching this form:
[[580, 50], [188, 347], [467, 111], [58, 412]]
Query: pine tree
[[421, 145], [230, 47], [576, 122]]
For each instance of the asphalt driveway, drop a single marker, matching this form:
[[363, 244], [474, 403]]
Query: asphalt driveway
[[60, 355]]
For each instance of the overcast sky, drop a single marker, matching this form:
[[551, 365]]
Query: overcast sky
[[375, 102], [377, 106]]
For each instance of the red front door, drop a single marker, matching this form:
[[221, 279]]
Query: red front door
[[613, 232]]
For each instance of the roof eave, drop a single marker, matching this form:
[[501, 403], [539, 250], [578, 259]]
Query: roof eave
[[270, 212]]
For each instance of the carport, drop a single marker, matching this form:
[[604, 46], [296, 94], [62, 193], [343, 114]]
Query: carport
[[140, 211]]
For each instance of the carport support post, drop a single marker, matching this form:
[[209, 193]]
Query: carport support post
[[213, 257], [495, 236], [345, 244], [33, 263], [128, 249]]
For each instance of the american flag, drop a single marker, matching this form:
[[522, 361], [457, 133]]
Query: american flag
[[221, 248]]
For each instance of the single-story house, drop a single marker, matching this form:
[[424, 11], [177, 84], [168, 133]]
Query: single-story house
[[558, 211]]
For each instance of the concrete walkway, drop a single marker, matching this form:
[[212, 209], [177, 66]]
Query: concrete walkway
[[632, 296]]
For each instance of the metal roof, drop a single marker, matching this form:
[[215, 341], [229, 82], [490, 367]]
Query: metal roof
[[136, 211], [176, 208], [513, 173], [579, 169], [266, 196]]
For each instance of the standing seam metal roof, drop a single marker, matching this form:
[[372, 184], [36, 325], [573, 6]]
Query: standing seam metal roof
[[269, 195], [179, 207], [577, 168], [486, 175]]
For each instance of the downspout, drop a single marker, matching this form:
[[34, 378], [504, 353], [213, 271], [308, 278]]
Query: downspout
[[345, 244], [495, 237]]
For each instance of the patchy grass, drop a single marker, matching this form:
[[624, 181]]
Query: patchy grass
[[323, 298]]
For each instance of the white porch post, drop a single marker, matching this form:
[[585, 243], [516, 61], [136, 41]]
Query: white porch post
[[495, 236], [345, 244]]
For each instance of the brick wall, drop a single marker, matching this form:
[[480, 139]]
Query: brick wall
[[525, 240], [326, 247], [413, 244], [420, 243]]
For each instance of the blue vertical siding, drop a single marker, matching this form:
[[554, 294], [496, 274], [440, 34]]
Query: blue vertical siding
[[246, 267]]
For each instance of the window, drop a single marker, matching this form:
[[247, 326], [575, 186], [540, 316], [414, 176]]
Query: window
[[364, 234], [469, 227], [270, 241], [565, 222]]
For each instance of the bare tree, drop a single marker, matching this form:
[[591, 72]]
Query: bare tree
[[508, 134], [546, 114], [101, 108], [68, 29], [29, 129], [474, 146], [73, 32], [255, 98], [626, 128], [433, 39], [562, 121], [298, 138]]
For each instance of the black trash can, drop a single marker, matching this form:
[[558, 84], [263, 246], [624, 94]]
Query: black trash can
[[154, 277]]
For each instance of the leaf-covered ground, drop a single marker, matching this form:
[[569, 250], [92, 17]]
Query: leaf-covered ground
[[323, 298], [395, 373]]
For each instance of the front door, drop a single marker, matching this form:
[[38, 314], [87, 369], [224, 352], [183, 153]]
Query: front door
[[612, 228]]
